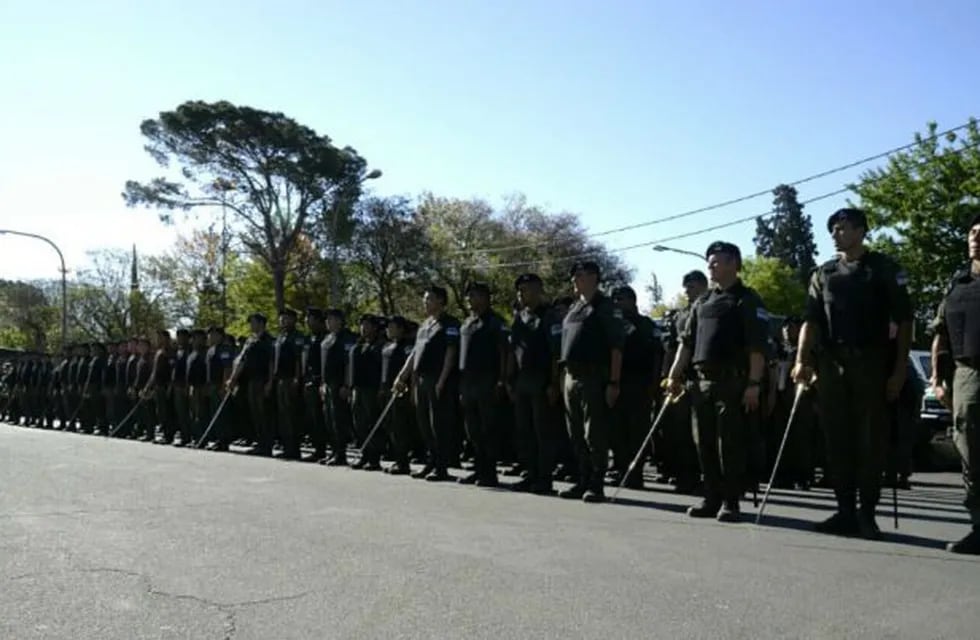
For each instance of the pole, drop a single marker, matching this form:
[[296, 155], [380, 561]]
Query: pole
[[64, 278], [800, 390], [334, 245], [685, 252]]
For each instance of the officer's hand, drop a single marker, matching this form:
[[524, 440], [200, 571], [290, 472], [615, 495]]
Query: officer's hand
[[942, 394], [750, 399], [674, 387], [344, 393], [802, 373], [399, 387], [894, 385], [323, 392], [612, 395]]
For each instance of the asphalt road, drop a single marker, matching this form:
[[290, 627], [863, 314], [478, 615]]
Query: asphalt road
[[104, 539]]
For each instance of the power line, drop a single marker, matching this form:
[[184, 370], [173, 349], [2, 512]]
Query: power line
[[696, 232], [721, 205]]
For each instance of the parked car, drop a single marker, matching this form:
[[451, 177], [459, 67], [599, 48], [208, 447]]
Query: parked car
[[932, 413], [934, 448]]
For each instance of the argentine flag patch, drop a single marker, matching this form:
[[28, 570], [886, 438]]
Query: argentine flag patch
[[762, 314], [452, 331]]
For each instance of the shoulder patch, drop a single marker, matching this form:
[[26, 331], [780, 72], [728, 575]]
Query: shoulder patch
[[452, 331], [762, 314], [902, 279], [555, 329], [617, 313]]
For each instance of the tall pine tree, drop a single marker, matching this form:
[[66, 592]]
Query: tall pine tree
[[787, 234]]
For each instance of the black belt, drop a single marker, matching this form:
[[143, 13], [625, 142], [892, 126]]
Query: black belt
[[708, 371]]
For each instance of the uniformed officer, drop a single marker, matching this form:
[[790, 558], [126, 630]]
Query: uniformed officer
[[592, 354], [725, 340], [287, 369], [315, 422], [109, 389], [399, 424], [433, 371], [159, 385], [533, 380], [855, 303], [93, 409], [256, 356], [363, 387], [956, 377], [482, 366], [198, 394], [643, 356], [219, 362], [178, 385], [334, 354], [146, 420]]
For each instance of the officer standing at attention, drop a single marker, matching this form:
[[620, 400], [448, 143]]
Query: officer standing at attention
[[196, 375], [287, 371], [725, 339], [334, 353], [533, 378], [363, 387], [256, 364], [592, 354], [643, 357], [956, 373], [432, 368], [482, 365], [219, 361], [316, 426], [181, 399], [399, 424], [852, 304]]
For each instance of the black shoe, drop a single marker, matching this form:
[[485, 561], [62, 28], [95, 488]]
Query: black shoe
[[515, 471], [634, 482], [398, 469], [489, 482], [438, 476], [839, 524], [574, 492], [594, 496], [359, 464], [523, 486], [336, 461], [468, 479], [867, 526], [423, 472], [969, 545], [707, 509], [371, 465], [729, 513], [542, 488]]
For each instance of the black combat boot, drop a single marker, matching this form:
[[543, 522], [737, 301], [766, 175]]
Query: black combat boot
[[708, 508], [844, 522], [969, 545]]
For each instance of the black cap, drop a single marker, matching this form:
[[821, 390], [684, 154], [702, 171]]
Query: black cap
[[694, 276], [335, 313], [478, 287], [727, 248], [216, 329], [588, 266], [527, 278], [289, 313], [624, 292], [183, 332], [788, 320], [856, 217], [199, 333], [371, 318], [974, 221], [400, 321], [314, 313], [258, 316]]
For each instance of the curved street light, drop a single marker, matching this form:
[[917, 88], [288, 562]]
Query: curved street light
[[661, 248], [64, 278], [374, 174]]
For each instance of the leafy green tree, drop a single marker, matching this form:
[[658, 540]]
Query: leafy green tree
[[27, 316], [787, 234], [918, 207], [776, 282], [273, 175]]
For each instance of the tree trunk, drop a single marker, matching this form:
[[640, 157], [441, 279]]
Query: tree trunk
[[279, 284]]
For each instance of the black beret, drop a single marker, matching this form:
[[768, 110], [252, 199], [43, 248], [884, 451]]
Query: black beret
[[258, 316], [316, 313], [694, 276], [289, 313], [478, 287], [624, 292], [588, 266], [216, 329], [974, 221], [720, 246], [526, 278], [183, 332], [856, 217], [336, 313], [400, 321], [371, 318], [199, 333]]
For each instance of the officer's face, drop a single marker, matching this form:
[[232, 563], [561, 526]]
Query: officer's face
[[791, 333], [975, 242], [477, 302], [432, 303], [625, 303], [529, 294], [256, 326], [693, 290], [584, 282], [721, 267], [315, 325], [369, 330], [846, 236], [334, 324], [214, 338], [287, 323], [562, 310], [395, 332]]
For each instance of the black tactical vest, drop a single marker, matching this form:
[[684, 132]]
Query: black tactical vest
[[854, 299], [720, 335], [963, 319]]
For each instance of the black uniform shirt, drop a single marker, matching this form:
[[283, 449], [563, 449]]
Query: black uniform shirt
[[334, 354], [393, 357], [364, 367], [288, 350], [643, 351], [163, 368], [311, 357], [591, 330], [480, 338], [726, 325], [110, 373], [257, 353], [96, 366], [434, 337], [196, 372], [180, 366], [217, 361], [853, 303], [534, 336], [144, 365], [958, 317]]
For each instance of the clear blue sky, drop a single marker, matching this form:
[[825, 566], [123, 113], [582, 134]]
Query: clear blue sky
[[622, 111]]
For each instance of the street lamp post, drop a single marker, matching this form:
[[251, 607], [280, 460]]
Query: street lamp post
[[661, 248], [335, 245], [64, 278]]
